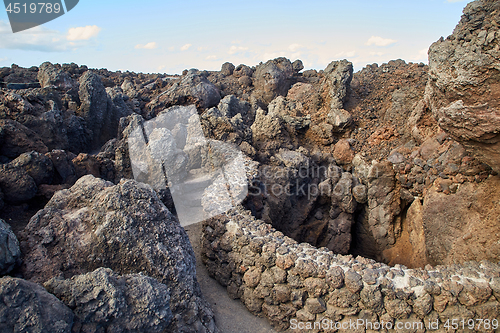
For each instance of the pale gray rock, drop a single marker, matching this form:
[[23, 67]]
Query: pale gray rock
[[49, 75]]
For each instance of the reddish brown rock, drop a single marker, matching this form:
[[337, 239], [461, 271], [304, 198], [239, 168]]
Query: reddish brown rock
[[343, 153]]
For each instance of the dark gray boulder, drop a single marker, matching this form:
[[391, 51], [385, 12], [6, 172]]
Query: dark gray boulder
[[16, 139], [10, 253], [97, 109], [104, 301], [37, 165], [227, 69], [16, 184], [27, 307]]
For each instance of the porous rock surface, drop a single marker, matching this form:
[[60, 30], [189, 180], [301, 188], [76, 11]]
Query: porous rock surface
[[104, 301], [27, 307], [123, 227], [463, 89], [10, 254]]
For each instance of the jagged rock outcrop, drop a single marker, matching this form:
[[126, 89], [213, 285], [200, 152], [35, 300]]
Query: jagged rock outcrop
[[98, 110], [104, 301], [462, 91], [193, 88], [49, 75], [10, 254], [273, 78], [338, 78], [379, 224], [27, 307], [124, 227]]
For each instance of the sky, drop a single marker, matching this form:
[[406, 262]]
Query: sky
[[165, 36]]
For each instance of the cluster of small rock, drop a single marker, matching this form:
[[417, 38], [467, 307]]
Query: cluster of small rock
[[276, 277]]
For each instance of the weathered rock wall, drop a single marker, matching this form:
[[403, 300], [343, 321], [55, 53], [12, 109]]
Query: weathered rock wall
[[287, 282], [464, 81]]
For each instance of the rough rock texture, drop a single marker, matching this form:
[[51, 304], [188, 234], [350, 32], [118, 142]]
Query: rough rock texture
[[38, 166], [273, 78], [338, 75], [227, 68], [379, 225], [124, 227], [16, 184], [462, 233], [10, 254], [27, 307], [104, 301], [98, 110], [16, 139], [338, 78], [463, 89], [49, 75], [193, 88]]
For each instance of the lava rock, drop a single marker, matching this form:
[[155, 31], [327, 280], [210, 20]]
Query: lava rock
[[103, 300], [16, 139], [16, 184], [49, 75], [466, 105], [124, 227], [272, 79], [27, 307], [10, 254]]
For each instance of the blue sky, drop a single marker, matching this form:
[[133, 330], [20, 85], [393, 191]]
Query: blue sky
[[169, 36]]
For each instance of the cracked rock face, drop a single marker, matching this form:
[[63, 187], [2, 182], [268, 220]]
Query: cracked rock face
[[124, 227], [463, 91]]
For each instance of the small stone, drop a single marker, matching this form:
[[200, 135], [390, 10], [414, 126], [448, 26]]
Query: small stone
[[315, 305], [353, 281], [335, 277], [315, 287]]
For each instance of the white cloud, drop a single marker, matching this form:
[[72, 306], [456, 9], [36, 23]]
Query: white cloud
[[4, 59], [34, 39], [346, 54], [212, 57], [377, 54], [83, 33], [186, 47], [295, 47], [148, 46], [379, 41], [236, 49]]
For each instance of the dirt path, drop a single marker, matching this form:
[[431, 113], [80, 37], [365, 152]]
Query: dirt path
[[231, 316]]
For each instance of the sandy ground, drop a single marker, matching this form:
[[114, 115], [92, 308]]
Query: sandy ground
[[231, 316]]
